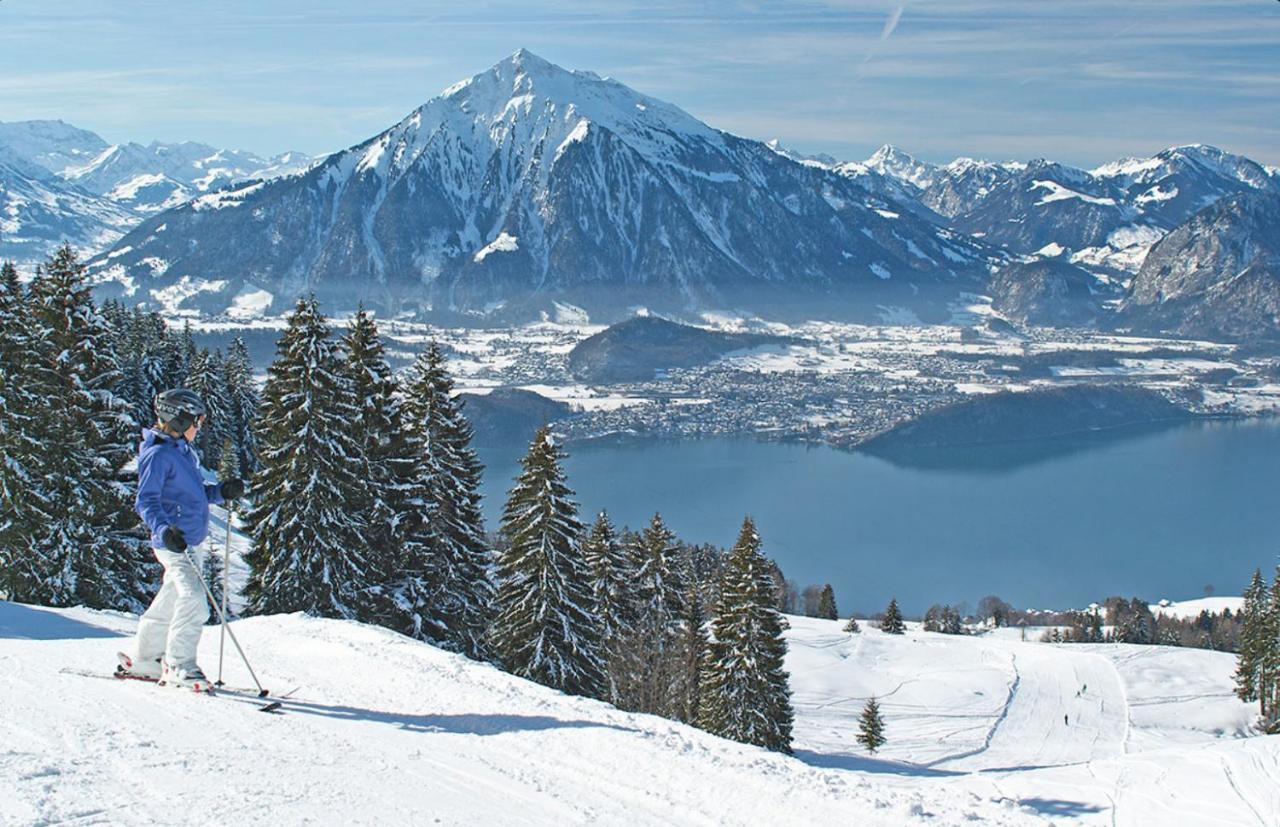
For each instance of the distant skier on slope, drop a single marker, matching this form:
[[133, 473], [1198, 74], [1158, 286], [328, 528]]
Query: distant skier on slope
[[173, 501]]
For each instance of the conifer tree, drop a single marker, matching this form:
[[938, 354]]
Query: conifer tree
[[852, 626], [1269, 648], [1250, 673], [650, 665], [242, 405], [827, 604], [448, 472], [80, 543], [892, 623], [871, 727], [207, 379], [180, 351], [611, 578], [545, 630], [691, 653], [744, 693], [309, 549], [16, 406]]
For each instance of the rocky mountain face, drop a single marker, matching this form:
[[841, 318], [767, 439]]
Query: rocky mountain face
[[1216, 275], [528, 184], [1049, 292]]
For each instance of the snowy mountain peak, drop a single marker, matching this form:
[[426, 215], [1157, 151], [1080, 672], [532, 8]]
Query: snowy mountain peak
[[893, 162]]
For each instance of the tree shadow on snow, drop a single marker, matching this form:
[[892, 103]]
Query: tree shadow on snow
[[496, 724], [1059, 807], [865, 764], [21, 622]]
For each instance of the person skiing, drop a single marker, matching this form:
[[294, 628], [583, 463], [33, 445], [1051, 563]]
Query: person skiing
[[173, 500]]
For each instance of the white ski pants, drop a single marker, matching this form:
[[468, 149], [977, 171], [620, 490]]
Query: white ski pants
[[171, 627]]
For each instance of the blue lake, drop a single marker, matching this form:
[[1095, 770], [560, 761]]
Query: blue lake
[[1055, 523]]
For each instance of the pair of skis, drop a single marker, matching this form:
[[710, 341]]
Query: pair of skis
[[272, 705]]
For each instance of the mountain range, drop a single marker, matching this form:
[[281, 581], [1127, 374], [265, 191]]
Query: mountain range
[[528, 187], [62, 183]]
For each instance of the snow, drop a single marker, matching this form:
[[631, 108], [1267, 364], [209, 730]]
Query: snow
[[1051, 250], [1187, 609], [1057, 192], [225, 198], [504, 243], [880, 270], [578, 133], [1154, 735], [171, 298], [250, 303], [382, 730]]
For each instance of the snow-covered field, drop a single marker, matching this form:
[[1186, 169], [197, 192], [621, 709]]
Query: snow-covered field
[[385, 730]]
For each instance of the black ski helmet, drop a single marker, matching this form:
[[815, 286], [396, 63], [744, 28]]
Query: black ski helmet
[[179, 408]]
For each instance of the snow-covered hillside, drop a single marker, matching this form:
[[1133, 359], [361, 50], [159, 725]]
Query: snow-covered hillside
[[1090, 734], [380, 729], [384, 730]]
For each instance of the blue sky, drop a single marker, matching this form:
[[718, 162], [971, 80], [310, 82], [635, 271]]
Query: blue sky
[[1081, 81]]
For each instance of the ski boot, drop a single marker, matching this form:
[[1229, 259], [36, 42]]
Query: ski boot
[[187, 676], [128, 669]]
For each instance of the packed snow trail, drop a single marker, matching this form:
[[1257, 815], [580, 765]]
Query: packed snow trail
[[389, 731]]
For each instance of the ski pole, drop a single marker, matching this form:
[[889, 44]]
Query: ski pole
[[262, 693], [226, 567]]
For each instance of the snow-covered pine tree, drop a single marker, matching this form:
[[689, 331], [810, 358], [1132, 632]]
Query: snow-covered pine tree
[[1253, 643], [650, 663], [690, 653], [207, 378], [83, 544], [744, 693], [545, 629], [448, 471], [211, 567], [377, 429], [852, 626], [827, 604], [242, 404], [179, 352], [1269, 675], [871, 726], [309, 550], [611, 577], [892, 623], [16, 445]]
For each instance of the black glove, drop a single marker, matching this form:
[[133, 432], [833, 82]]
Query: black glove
[[174, 540], [233, 489]]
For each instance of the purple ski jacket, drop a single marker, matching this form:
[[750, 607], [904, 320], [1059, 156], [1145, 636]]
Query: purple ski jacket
[[171, 490]]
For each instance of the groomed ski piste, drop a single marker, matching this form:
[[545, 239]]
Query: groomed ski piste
[[381, 729]]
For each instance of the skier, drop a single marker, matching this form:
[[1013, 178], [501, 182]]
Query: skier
[[173, 501]]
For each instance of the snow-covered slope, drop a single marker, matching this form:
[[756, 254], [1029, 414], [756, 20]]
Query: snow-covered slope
[[384, 730], [37, 214], [1089, 734]]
